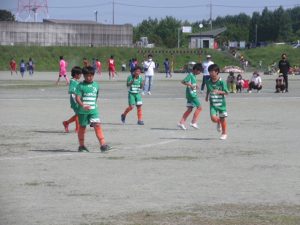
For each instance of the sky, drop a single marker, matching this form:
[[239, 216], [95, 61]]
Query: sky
[[135, 11]]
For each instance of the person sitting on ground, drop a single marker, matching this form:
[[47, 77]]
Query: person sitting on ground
[[255, 82], [239, 83], [231, 82], [280, 84]]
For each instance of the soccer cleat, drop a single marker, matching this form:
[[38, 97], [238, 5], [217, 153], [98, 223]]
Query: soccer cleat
[[123, 117], [219, 128], [82, 149], [149, 93], [223, 137], [66, 126], [140, 122], [249, 91], [143, 93], [194, 125], [105, 148], [181, 126]]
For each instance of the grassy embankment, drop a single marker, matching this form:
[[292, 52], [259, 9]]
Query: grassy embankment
[[46, 58]]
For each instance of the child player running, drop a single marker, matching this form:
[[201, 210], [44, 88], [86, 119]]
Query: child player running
[[62, 70], [192, 98], [76, 74], [135, 85], [216, 91], [88, 114]]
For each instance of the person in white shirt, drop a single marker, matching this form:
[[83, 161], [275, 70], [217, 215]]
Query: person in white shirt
[[255, 82], [149, 67], [206, 76]]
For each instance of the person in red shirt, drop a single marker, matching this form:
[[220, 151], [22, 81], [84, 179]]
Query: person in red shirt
[[99, 67], [13, 66], [111, 67]]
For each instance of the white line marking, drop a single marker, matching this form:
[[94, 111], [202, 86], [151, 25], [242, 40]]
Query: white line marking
[[80, 154]]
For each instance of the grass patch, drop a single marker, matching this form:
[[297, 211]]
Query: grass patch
[[47, 58]]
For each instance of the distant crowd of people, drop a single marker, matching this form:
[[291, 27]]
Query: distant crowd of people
[[23, 66]]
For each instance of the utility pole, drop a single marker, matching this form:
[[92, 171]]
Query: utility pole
[[113, 19], [178, 38], [96, 16], [210, 15], [255, 34]]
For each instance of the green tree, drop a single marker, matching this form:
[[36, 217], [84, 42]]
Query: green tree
[[6, 15], [285, 27], [168, 29]]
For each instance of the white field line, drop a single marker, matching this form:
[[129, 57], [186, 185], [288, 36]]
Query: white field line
[[55, 155]]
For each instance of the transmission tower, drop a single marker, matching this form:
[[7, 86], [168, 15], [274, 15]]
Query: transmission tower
[[28, 10]]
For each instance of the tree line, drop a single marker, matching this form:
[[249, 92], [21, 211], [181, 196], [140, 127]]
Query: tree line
[[279, 25]]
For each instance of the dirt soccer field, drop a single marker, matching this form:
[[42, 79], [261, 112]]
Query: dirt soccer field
[[157, 174]]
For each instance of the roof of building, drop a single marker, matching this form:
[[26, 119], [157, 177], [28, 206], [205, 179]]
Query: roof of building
[[210, 33], [57, 21]]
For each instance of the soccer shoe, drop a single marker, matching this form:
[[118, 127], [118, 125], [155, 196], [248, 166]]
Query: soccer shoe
[[66, 126], [194, 125], [219, 128], [149, 93], [181, 126], [223, 137], [140, 122], [123, 117], [105, 148], [143, 93], [82, 149]]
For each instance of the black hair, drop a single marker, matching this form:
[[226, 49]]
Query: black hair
[[137, 68], [198, 66], [214, 67], [150, 55], [88, 70], [61, 57], [76, 70]]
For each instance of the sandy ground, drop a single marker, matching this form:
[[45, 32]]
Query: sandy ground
[[155, 169]]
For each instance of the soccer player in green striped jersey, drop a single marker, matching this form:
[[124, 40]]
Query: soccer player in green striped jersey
[[135, 85], [192, 98], [76, 74], [88, 114], [216, 91]]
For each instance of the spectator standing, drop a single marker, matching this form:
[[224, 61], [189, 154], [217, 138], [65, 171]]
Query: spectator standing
[[284, 67], [206, 75], [149, 67], [167, 68]]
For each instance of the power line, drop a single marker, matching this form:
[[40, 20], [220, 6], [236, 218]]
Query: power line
[[172, 6]]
